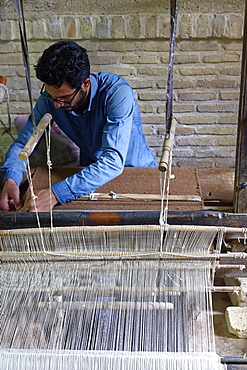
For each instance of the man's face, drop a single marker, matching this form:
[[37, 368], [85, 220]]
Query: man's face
[[66, 98]]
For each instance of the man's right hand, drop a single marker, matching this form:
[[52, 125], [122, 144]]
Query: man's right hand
[[10, 198]]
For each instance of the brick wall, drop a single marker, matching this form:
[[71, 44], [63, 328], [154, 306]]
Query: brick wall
[[136, 46]]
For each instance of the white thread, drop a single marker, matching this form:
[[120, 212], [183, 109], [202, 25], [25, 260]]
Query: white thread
[[49, 165]]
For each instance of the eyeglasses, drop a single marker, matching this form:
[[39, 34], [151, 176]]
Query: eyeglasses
[[65, 103]]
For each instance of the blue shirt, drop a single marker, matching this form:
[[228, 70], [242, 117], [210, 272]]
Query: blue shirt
[[108, 133]]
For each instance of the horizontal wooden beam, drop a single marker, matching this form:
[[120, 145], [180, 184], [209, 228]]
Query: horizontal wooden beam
[[18, 220]]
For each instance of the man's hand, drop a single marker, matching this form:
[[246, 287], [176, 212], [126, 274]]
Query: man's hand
[[45, 201], [10, 198]]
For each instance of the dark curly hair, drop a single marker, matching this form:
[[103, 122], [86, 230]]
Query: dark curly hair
[[64, 61]]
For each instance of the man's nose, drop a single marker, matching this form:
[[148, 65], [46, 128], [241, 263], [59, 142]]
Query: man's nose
[[58, 104]]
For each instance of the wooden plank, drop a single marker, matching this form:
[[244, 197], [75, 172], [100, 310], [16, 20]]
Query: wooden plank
[[138, 197], [217, 185]]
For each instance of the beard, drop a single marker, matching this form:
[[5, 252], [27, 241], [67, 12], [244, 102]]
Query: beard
[[81, 104]]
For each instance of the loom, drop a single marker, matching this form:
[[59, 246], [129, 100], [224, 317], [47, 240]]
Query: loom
[[104, 288]]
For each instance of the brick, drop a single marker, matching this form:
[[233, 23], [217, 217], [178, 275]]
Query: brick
[[229, 140], [194, 162], [199, 46], [179, 108], [139, 59], [152, 71], [183, 153], [40, 29], [235, 26], [219, 25], [103, 27], [119, 46], [233, 46], [147, 108], [149, 130], [215, 130], [118, 27], [9, 30], [85, 27], [161, 108], [197, 95], [217, 107], [155, 142], [219, 82], [185, 26], [229, 95], [197, 71], [197, 119], [54, 28], [214, 153], [230, 118], [9, 71], [184, 58], [152, 95], [233, 70], [161, 83], [185, 83], [20, 108], [165, 59], [163, 26], [224, 163], [197, 140], [147, 45], [204, 26], [37, 46], [140, 83], [221, 57], [8, 47], [133, 27], [69, 27], [151, 28], [153, 119], [103, 58], [184, 130], [121, 71], [11, 58]]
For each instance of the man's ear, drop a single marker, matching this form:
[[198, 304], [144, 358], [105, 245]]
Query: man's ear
[[86, 82]]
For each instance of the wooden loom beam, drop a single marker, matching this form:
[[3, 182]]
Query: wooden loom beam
[[17, 220]]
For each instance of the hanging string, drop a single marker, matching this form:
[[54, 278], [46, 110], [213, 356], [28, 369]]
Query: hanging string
[[34, 197], [49, 165]]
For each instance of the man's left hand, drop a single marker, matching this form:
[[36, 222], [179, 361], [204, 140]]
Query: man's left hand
[[45, 200]]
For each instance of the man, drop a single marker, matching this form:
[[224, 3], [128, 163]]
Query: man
[[98, 112]]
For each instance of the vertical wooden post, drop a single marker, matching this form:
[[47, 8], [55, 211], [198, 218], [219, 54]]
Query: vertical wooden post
[[240, 191]]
